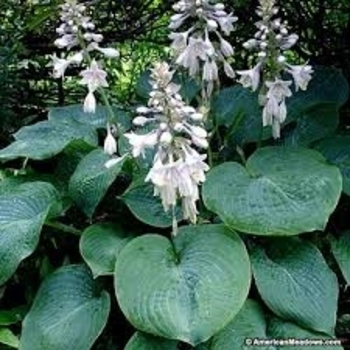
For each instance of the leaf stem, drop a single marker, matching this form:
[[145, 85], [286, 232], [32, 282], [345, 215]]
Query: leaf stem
[[64, 228]]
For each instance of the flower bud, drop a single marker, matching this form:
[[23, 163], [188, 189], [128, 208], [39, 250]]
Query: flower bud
[[142, 110], [196, 116], [200, 142], [140, 121], [166, 137], [110, 144], [90, 103], [109, 52]]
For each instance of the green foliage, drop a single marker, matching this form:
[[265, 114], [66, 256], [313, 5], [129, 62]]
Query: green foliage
[[341, 252], [140, 199], [91, 180], [275, 193], [201, 264], [23, 213], [67, 304], [8, 338], [60, 206], [336, 150], [295, 282], [100, 246]]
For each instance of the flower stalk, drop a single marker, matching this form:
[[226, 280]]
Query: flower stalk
[[268, 75]]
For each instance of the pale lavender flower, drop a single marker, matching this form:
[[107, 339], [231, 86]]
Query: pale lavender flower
[[201, 49], [90, 103], [110, 144], [301, 75], [178, 169], [270, 41], [251, 77], [94, 77]]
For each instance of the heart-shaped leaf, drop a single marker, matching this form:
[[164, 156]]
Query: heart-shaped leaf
[[91, 180], [22, 214], [337, 151], [68, 311], [100, 245], [296, 338], [276, 193], [296, 283], [341, 252], [188, 289]]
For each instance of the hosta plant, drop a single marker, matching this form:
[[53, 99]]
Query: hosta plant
[[198, 217]]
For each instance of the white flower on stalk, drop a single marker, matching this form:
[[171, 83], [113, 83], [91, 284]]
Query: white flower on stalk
[[139, 143], [251, 77], [301, 75], [110, 144], [94, 77], [270, 41], [275, 110], [178, 169], [90, 103], [202, 49], [76, 31], [60, 65], [279, 89]]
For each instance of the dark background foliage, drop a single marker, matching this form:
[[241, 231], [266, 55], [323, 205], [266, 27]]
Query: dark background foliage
[[139, 28]]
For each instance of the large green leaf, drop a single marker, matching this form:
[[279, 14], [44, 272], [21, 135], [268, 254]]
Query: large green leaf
[[248, 324], [91, 180], [327, 85], [188, 289], [22, 214], [100, 245], [142, 341], [69, 311], [276, 193], [46, 139], [140, 199], [8, 338], [296, 283], [314, 124], [64, 125], [297, 338], [341, 252], [98, 120], [336, 150], [238, 109]]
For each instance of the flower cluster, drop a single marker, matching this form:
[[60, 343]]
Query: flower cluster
[[270, 41], [77, 32], [178, 168], [201, 47]]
